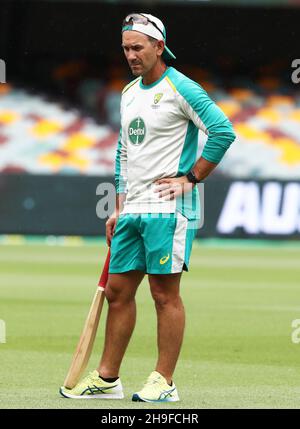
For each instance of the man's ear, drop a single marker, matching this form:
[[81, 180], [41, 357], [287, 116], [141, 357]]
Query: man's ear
[[160, 47]]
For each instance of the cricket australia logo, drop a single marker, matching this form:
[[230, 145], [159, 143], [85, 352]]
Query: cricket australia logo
[[137, 131], [157, 97]]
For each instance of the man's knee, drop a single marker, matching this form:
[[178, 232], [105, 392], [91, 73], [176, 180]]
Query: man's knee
[[165, 290], [163, 299], [113, 293], [120, 289]]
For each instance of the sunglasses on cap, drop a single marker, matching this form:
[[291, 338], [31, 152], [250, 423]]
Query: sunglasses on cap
[[138, 18]]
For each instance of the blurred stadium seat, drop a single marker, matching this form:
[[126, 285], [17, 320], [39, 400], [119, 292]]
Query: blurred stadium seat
[[42, 136], [267, 126], [39, 136]]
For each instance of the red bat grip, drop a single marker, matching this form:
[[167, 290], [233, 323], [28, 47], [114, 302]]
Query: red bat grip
[[104, 274]]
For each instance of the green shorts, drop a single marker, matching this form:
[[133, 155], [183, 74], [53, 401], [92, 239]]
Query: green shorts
[[153, 243]]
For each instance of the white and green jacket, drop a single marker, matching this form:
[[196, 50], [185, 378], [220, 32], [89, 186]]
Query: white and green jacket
[[159, 138]]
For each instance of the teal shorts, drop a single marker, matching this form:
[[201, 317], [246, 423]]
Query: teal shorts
[[153, 243]]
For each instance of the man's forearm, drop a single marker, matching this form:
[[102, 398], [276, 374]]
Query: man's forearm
[[120, 199], [203, 168]]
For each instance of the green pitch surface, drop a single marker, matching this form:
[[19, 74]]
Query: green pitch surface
[[238, 350]]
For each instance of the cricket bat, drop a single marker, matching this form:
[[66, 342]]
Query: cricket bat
[[85, 345]]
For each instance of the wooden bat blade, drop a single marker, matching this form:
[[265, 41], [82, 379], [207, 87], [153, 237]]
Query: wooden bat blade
[[87, 338], [86, 341]]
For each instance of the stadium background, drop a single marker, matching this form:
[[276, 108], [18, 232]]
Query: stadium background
[[60, 111], [59, 120]]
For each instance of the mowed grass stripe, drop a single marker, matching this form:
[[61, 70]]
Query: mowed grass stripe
[[237, 351]]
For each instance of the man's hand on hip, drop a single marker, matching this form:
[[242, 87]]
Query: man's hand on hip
[[171, 187]]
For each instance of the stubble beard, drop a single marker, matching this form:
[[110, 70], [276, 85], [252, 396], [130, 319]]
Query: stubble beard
[[136, 72]]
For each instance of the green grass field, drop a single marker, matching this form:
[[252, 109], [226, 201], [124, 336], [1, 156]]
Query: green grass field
[[238, 352]]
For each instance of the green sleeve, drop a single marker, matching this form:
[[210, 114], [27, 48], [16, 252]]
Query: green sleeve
[[203, 111]]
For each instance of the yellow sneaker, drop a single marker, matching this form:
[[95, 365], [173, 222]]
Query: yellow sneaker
[[156, 389], [93, 387]]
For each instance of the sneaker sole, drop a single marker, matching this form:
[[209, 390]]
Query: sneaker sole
[[137, 398], [99, 396]]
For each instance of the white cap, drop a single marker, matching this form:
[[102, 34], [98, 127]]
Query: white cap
[[152, 31]]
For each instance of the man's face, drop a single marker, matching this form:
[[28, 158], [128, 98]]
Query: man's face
[[140, 52]]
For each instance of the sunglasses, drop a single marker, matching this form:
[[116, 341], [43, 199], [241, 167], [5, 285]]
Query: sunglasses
[[138, 18]]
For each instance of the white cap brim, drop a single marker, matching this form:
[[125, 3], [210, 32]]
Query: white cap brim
[[151, 31]]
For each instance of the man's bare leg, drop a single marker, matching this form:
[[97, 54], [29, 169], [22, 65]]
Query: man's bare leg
[[170, 320], [120, 293]]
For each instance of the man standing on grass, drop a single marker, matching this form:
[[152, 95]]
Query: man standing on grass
[[152, 229]]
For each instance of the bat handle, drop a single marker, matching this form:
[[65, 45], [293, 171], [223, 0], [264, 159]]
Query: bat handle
[[104, 275]]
